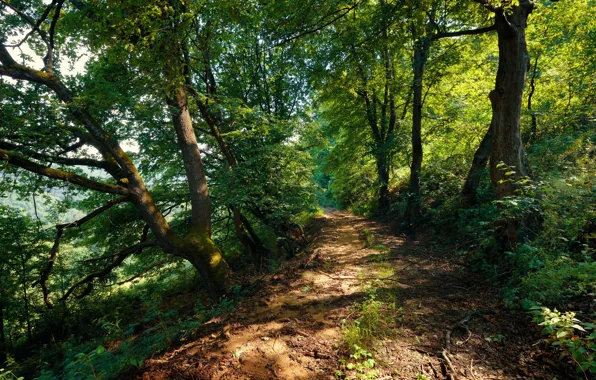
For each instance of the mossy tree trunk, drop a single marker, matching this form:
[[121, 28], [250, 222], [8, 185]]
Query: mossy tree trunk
[[207, 259]]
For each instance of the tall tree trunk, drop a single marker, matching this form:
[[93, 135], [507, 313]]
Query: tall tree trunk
[[421, 49], [23, 279], [249, 241], [507, 97], [27, 313], [193, 163], [197, 247], [507, 146], [479, 162], [2, 336]]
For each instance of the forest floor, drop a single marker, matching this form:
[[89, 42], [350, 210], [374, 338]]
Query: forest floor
[[294, 327]]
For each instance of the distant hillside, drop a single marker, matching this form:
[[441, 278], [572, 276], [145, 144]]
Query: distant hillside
[[43, 210]]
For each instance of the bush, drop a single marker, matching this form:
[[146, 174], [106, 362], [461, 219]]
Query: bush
[[569, 334]]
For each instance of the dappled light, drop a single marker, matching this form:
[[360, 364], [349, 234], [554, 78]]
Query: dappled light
[[315, 189]]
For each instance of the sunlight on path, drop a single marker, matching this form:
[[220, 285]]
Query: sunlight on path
[[292, 329]]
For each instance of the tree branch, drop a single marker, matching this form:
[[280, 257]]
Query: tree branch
[[110, 167], [28, 19], [37, 25], [344, 12], [49, 58], [76, 146], [23, 163], [486, 4], [464, 32], [107, 144], [45, 273], [94, 213], [119, 258]]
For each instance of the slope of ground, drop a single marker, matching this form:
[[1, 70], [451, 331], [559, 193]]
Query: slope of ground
[[293, 328]]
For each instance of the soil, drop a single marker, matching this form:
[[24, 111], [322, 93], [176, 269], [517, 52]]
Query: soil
[[292, 327]]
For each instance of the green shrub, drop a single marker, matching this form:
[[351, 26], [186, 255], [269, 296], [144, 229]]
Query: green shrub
[[567, 333], [560, 279]]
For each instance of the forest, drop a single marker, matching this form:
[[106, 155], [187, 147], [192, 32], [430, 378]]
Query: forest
[[282, 189]]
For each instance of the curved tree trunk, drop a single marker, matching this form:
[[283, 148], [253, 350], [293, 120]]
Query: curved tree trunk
[[206, 258], [250, 241]]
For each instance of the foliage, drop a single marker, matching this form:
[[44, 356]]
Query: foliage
[[361, 363], [567, 333], [9, 375], [290, 104]]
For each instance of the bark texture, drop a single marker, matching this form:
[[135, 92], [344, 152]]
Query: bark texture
[[197, 247], [193, 163], [205, 256], [506, 100]]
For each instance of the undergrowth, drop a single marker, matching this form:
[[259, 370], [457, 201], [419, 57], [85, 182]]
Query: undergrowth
[[568, 334], [552, 265], [370, 319], [122, 347]]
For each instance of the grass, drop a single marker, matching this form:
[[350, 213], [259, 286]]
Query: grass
[[371, 319]]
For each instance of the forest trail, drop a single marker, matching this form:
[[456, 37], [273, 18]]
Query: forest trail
[[292, 327]]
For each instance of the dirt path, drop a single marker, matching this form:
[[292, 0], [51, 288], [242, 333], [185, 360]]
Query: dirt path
[[292, 329]]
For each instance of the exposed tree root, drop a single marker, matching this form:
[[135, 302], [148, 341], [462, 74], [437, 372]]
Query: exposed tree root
[[451, 373]]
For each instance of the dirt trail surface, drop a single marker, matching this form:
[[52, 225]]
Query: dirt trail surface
[[292, 327]]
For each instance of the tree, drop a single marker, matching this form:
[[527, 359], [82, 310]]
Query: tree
[[195, 245], [506, 99], [429, 21], [157, 60], [362, 92]]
